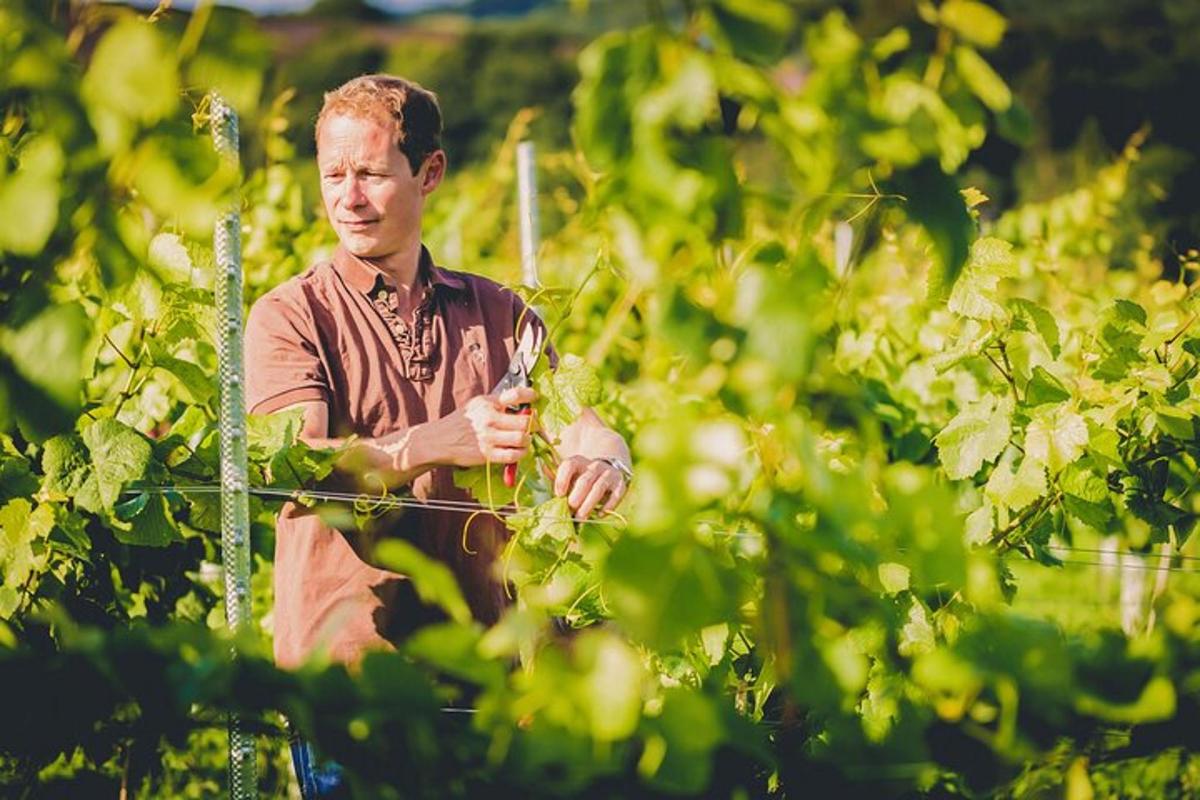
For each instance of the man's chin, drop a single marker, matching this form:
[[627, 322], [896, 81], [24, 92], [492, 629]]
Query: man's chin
[[361, 246]]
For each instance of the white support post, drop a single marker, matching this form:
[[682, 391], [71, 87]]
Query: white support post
[[527, 208]]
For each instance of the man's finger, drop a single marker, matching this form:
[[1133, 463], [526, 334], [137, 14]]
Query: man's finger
[[506, 455], [567, 471], [510, 422], [516, 396], [518, 439], [603, 485], [584, 483], [616, 495]]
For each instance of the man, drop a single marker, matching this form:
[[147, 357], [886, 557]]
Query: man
[[383, 345]]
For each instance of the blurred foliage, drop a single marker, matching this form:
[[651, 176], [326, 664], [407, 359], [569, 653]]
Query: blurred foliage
[[878, 420]]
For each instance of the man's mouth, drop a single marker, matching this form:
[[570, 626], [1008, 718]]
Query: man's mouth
[[358, 224]]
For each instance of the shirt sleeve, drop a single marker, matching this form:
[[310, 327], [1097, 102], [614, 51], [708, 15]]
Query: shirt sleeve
[[283, 361]]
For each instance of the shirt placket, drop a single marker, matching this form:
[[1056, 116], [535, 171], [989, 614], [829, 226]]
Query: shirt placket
[[414, 342]]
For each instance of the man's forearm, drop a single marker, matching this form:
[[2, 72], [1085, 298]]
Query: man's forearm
[[476, 433], [393, 460]]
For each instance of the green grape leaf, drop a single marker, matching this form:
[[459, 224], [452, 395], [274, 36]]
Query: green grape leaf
[[755, 30], [486, 484], [204, 511], [552, 520], [267, 434], [30, 196], [564, 392], [48, 352], [934, 202], [1042, 320], [119, 89], [454, 649], [974, 21], [1043, 387], [976, 293], [981, 79], [1056, 436], [1156, 703], [1175, 423], [189, 423], [977, 434], [1161, 516], [1129, 311], [432, 579], [897, 40], [612, 684], [1016, 490], [118, 455], [168, 255], [145, 520], [977, 527], [66, 464], [187, 313], [916, 635], [893, 577], [198, 383], [70, 535], [1104, 445], [662, 592], [16, 477], [21, 526], [1095, 515], [274, 443]]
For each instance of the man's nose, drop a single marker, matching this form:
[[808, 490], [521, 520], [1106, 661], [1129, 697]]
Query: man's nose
[[352, 192]]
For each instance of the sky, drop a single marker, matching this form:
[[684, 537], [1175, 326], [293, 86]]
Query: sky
[[278, 6]]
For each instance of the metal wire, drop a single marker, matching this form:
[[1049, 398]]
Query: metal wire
[[471, 507]]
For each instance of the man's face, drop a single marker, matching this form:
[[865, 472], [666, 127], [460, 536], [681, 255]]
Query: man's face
[[373, 200]]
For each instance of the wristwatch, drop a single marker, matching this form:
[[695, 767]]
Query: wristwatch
[[619, 465]]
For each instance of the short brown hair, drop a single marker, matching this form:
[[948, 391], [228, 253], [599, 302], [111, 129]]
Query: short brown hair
[[412, 109]]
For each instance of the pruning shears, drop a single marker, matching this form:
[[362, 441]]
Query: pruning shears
[[523, 360]]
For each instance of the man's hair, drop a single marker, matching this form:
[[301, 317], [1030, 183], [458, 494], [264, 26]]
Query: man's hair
[[409, 108]]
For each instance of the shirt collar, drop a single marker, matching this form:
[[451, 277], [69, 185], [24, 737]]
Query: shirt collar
[[364, 276]]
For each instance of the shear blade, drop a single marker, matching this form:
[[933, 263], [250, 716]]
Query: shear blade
[[529, 347]]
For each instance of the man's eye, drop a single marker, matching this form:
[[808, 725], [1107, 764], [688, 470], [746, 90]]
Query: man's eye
[[331, 176]]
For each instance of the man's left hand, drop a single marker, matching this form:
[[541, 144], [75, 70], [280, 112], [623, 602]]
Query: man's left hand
[[589, 482]]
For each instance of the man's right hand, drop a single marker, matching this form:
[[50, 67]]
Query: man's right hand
[[483, 431]]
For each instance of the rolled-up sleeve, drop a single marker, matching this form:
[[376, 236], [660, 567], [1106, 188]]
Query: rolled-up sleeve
[[283, 360]]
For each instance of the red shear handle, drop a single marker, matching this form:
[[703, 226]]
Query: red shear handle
[[510, 470]]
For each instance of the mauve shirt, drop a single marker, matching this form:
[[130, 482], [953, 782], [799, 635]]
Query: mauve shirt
[[333, 334]]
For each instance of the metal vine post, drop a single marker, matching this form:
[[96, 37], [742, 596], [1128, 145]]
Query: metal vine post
[[231, 425], [527, 210]]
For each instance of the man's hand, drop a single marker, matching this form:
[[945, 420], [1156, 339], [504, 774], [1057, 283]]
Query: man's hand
[[589, 482], [482, 430]]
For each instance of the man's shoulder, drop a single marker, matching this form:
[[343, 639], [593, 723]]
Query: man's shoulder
[[297, 291], [482, 287], [287, 308]]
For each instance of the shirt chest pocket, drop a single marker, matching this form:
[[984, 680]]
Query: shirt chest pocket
[[470, 371]]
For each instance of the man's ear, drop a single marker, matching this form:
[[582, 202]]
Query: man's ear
[[433, 170]]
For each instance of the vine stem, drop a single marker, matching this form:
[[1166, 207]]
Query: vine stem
[[1028, 516], [128, 361], [128, 391], [1008, 377]]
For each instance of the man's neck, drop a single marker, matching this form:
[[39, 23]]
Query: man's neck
[[402, 267]]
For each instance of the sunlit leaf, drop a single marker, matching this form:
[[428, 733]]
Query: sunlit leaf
[[976, 435]]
